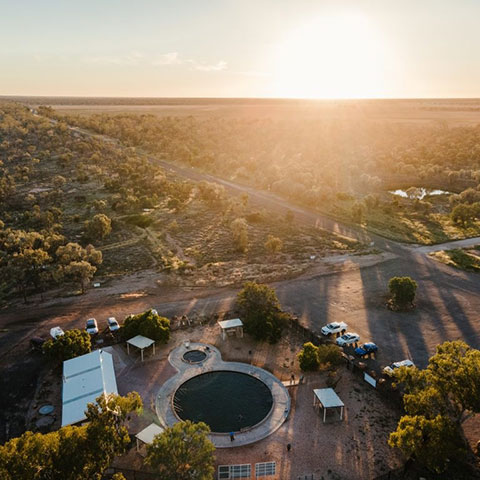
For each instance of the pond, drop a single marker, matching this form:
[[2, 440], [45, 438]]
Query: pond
[[418, 192], [226, 401]]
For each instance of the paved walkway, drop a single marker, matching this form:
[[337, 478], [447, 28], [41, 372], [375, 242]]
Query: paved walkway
[[214, 362]]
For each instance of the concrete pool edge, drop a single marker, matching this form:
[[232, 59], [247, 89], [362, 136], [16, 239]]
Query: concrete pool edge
[[185, 371]]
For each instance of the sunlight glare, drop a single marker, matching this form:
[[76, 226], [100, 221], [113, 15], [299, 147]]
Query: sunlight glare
[[334, 56]]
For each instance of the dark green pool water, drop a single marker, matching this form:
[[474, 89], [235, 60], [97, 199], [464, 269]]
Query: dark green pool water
[[226, 401]]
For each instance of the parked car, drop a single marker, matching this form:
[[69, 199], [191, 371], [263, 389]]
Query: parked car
[[348, 339], [154, 311], [334, 327], [56, 332], [36, 344], [388, 370], [365, 349], [113, 325], [91, 326]]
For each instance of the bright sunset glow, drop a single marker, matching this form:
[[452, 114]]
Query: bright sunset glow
[[334, 56]]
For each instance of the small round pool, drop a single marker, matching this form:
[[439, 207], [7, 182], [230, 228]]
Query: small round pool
[[194, 356], [226, 401]]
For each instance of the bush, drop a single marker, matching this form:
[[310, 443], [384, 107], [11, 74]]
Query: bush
[[311, 357], [70, 345], [402, 290], [148, 324], [260, 311], [308, 357], [329, 354], [273, 244], [139, 220]]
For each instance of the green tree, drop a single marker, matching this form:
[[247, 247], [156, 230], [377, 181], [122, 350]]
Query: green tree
[[433, 442], [81, 272], [99, 227], [260, 311], [402, 291], [437, 401], [148, 324], [73, 344], [449, 386], [72, 453], [308, 357], [183, 452], [273, 244]]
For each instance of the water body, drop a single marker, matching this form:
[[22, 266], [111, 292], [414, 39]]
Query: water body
[[419, 193], [226, 401]]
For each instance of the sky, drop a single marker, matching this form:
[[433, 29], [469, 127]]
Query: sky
[[241, 48]]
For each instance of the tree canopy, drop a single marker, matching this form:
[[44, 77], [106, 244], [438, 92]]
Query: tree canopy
[[402, 290], [437, 401], [260, 311], [148, 324], [72, 453], [183, 452], [70, 345]]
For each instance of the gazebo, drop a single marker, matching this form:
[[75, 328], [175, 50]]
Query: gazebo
[[140, 342], [147, 435], [327, 398], [233, 326]]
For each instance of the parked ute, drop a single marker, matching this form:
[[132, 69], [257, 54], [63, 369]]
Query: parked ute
[[348, 339], [390, 368], [113, 325], [365, 349], [335, 327], [56, 332], [91, 326]]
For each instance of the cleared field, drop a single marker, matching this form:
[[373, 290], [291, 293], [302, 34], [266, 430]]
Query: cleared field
[[451, 111]]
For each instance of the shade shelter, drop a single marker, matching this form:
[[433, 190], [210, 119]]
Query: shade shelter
[[326, 398], [233, 326], [142, 343], [147, 435], [85, 378]]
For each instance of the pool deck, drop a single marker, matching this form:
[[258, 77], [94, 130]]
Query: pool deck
[[214, 362]]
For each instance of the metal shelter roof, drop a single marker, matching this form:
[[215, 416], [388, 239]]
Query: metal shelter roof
[[328, 398], [233, 323], [85, 378], [147, 434], [141, 342]]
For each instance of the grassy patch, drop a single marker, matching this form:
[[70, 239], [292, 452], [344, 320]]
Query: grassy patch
[[463, 259]]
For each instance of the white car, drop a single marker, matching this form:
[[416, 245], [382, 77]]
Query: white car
[[348, 339], [113, 325], [56, 332], [154, 311], [91, 326], [404, 363], [334, 327]]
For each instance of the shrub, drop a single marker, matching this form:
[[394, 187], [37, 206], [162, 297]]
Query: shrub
[[70, 345], [273, 244], [329, 354], [240, 234], [148, 324], [308, 357], [139, 220]]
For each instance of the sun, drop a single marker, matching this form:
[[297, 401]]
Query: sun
[[333, 56]]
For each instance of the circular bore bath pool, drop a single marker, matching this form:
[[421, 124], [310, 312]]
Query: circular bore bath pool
[[194, 356], [226, 401]]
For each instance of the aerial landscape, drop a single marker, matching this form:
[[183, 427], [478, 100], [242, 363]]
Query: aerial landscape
[[240, 240]]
